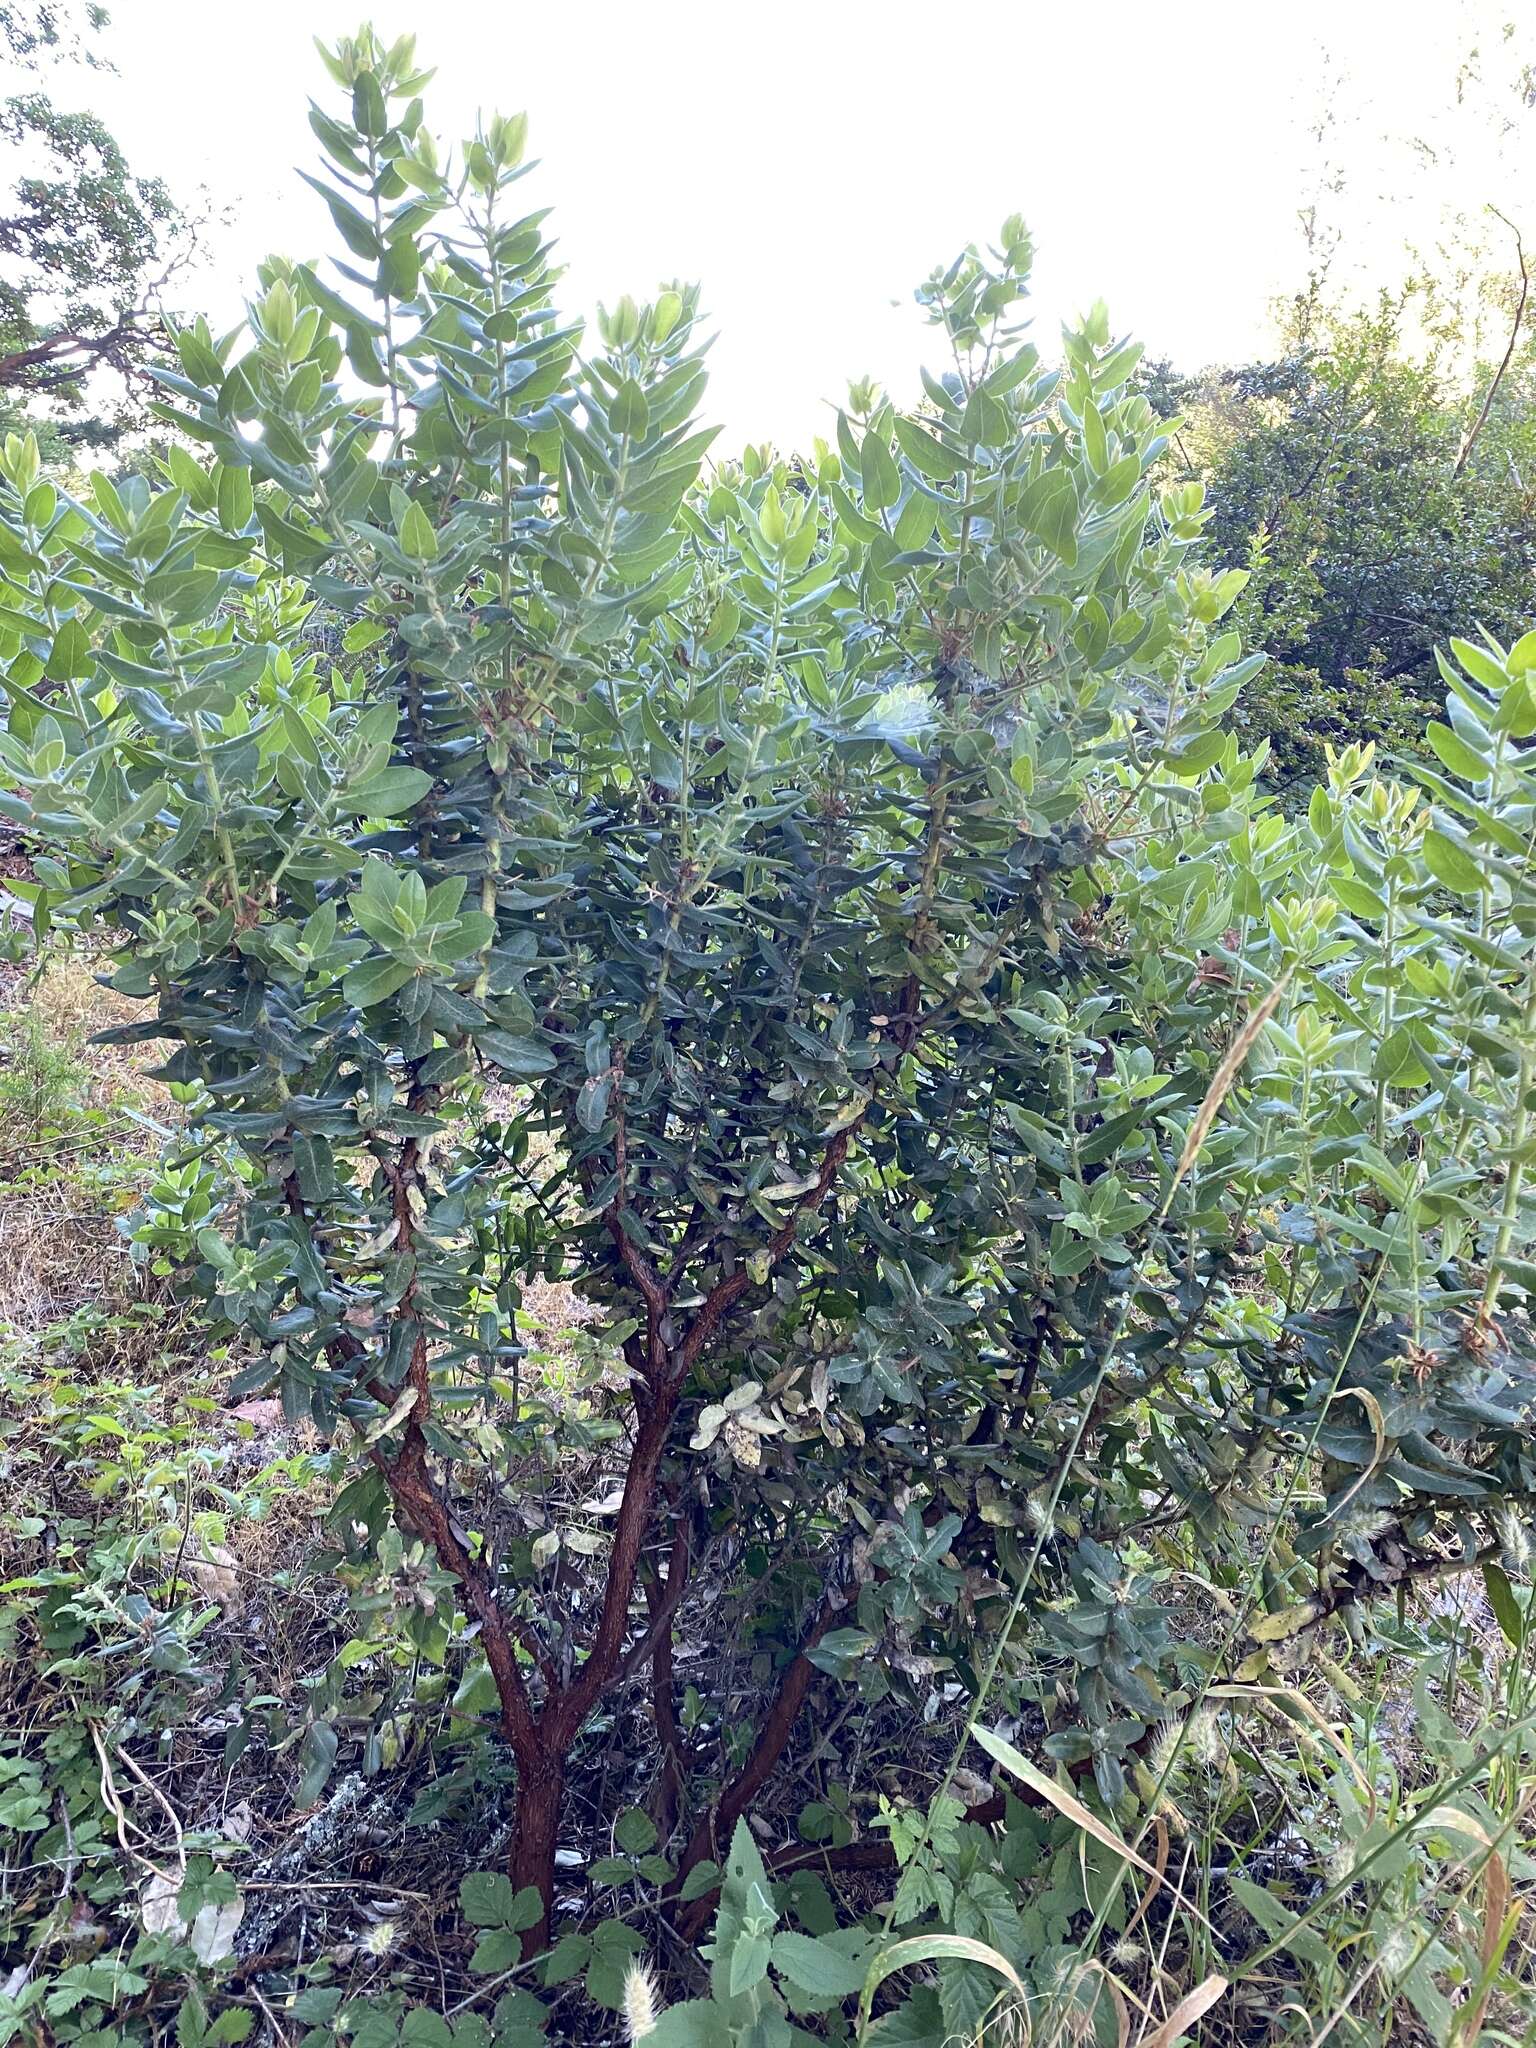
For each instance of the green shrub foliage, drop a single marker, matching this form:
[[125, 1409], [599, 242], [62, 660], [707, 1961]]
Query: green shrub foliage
[[1381, 484], [805, 908]]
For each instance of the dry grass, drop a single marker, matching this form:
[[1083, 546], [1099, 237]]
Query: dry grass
[[70, 1004], [67, 1104], [58, 1255]]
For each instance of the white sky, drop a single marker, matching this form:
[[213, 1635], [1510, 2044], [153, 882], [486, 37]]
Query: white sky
[[810, 162]]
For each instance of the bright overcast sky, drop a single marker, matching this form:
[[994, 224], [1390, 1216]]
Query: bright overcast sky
[[810, 162]]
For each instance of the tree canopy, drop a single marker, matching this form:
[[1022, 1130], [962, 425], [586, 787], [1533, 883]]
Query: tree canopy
[[88, 245]]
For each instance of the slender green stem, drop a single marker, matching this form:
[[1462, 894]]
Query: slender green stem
[[1509, 1211]]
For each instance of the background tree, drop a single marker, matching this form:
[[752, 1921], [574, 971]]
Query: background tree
[[89, 246], [1383, 494], [1379, 459]]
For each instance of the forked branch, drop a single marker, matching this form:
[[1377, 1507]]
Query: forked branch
[[1470, 437]]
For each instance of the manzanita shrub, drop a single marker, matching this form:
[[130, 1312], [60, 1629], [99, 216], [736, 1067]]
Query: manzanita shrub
[[812, 909]]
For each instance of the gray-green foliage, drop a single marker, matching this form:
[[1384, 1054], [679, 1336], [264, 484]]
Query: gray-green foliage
[[602, 804], [805, 908]]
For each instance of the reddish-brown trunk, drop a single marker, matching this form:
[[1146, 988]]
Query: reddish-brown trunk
[[714, 1831], [669, 1735], [540, 1794], [662, 1602]]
